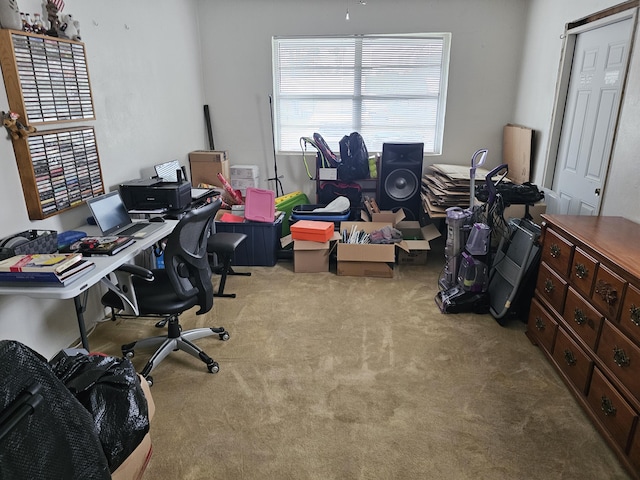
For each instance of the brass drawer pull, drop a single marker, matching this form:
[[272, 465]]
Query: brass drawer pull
[[635, 315], [555, 250], [569, 357], [620, 357], [539, 323], [607, 407], [581, 271], [548, 286], [579, 316], [606, 292]]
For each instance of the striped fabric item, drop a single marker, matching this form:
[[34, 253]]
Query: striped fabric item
[[58, 3]]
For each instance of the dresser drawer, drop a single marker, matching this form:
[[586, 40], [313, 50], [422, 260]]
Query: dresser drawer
[[611, 408], [630, 313], [572, 360], [621, 356], [634, 449], [583, 272], [551, 287], [557, 252], [583, 319], [542, 325], [608, 292]]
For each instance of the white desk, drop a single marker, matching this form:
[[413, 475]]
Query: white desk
[[104, 266]]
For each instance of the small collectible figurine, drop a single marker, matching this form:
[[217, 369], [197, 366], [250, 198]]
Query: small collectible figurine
[[14, 127]]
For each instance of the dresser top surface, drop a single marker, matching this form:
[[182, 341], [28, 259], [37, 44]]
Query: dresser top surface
[[617, 239]]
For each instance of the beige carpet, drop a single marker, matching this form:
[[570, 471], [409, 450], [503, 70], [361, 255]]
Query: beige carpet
[[329, 377]]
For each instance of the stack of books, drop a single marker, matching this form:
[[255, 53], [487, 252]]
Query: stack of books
[[43, 269], [98, 246]]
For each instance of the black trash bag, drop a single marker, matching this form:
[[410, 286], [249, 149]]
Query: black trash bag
[[56, 439], [354, 157], [109, 388]]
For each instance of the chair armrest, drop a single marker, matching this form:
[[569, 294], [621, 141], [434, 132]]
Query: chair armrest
[[136, 270]]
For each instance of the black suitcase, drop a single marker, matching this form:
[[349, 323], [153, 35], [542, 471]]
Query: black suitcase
[[45, 433]]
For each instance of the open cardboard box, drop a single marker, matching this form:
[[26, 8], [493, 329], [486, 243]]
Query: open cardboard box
[[310, 256], [135, 464], [418, 240], [367, 260]]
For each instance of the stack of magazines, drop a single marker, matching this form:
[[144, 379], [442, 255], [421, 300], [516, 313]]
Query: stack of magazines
[[43, 269]]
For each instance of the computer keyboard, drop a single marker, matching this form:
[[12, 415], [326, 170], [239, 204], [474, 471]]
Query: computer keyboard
[[136, 227]]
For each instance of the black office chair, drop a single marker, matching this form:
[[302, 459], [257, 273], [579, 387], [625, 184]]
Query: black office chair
[[223, 245], [184, 283]]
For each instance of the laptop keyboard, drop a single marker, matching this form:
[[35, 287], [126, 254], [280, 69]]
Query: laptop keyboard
[[136, 227]]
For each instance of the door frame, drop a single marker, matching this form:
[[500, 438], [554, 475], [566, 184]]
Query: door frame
[[572, 30]]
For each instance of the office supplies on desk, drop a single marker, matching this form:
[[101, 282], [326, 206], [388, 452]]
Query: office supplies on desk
[[108, 245], [112, 217]]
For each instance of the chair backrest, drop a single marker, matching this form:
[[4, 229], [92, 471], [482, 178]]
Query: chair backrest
[[185, 255]]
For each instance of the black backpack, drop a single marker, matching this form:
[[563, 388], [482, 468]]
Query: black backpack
[[354, 157]]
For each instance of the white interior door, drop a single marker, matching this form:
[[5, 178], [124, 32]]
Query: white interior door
[[598, 71]]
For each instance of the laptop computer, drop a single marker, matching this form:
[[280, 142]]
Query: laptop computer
[[112, 217], [168, 172]]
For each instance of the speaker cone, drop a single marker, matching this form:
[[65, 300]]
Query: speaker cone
[[401, 184]]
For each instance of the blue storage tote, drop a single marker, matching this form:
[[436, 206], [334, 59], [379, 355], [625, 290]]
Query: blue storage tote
[[262, 244]]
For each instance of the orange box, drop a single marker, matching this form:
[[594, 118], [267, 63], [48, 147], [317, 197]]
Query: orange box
[[312, 230]]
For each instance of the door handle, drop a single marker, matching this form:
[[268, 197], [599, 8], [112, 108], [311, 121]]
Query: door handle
[[597, 192]]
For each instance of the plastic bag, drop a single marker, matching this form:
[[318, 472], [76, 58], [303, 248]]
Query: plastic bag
[[109, 388], [56, 440]]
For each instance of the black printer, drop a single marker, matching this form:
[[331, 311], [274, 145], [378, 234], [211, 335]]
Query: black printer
[[153, 194]]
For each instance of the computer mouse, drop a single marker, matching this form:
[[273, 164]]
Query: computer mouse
[[157, 219]]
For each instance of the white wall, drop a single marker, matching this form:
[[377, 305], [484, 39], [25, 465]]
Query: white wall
[[534, 106], [144, 66], [485, 56]]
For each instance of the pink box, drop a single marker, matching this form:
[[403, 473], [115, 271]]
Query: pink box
[[260, 205]]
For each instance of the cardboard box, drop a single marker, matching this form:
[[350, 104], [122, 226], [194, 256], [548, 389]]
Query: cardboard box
[[517, 145], [205, 166], [366, 260], [135, 464], [310, 257], [312, 230], [385, 216], [417, 239]]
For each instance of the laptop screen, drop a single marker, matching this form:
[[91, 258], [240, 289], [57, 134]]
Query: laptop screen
[[168, 171], [109, 212]]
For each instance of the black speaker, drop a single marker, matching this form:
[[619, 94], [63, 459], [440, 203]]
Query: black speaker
[[401, 178]]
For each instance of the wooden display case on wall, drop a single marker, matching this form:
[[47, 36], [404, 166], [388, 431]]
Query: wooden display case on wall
[[47, 82]]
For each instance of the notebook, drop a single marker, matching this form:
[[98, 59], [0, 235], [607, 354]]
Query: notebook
[[112, 217], [168, 172]]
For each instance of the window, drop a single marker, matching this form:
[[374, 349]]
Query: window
[[389, 88]]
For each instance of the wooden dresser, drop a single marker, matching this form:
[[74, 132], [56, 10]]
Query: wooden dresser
[[585, 317]]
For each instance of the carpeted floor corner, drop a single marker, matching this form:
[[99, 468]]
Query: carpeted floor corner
[[329, 377]]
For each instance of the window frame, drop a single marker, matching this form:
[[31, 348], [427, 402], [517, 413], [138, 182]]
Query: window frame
[[441, 97]]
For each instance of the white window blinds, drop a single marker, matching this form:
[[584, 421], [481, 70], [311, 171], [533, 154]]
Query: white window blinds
[[388, 88]]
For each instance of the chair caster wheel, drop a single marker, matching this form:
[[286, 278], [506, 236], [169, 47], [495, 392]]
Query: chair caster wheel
[[128, 353], [224, 336], [213, 367]]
